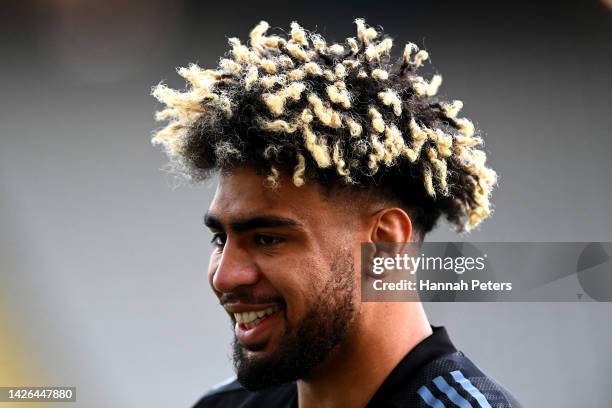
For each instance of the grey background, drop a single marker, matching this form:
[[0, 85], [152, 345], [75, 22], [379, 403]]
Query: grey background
[[103, 261]]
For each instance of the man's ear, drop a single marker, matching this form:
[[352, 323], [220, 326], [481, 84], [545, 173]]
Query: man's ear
[[388, 226], [391, 225]]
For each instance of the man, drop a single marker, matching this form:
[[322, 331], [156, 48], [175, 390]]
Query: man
[[320, 148]]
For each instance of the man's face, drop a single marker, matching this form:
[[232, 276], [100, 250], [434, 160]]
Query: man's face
[[283, 269]]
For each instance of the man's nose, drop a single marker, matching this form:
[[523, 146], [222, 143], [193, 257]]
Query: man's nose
[[235, 268]]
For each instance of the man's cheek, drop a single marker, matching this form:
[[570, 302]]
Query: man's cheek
[[297, 304]]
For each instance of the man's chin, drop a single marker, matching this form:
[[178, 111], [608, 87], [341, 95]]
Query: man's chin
[[253, 350], [257, 364]]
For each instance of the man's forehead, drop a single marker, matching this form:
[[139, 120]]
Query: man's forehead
[[244, 193]]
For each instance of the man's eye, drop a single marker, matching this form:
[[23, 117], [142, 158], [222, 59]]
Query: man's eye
[[218, 239], [267, 240]]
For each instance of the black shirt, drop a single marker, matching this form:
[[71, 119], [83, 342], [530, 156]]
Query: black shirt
[[433, 374]]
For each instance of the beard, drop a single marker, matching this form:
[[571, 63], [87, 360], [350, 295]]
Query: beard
[[304, 346]]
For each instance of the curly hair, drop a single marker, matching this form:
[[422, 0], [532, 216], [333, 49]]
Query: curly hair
[[341, 114]]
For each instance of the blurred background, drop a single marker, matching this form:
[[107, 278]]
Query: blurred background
[[103, 259]]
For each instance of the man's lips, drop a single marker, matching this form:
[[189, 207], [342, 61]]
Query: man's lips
[[249, 314], [254, 323], [253, 329], [251, 318]]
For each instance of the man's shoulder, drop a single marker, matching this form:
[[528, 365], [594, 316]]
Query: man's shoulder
[[230, 393], [455, 380]]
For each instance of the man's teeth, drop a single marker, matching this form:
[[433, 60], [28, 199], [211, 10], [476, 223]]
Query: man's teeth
[[250, 317]]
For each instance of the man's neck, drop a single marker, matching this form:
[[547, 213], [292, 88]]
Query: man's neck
[[382, 335]]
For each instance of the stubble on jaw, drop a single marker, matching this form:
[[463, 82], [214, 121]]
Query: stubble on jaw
[[305, 346]]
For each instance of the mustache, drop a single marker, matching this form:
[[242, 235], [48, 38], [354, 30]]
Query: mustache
[[250, 298]]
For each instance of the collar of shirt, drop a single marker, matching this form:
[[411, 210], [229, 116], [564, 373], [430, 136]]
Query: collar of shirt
[[434, 346]]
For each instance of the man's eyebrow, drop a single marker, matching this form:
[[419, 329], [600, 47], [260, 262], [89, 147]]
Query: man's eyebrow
[[247, 224], [212, 222]]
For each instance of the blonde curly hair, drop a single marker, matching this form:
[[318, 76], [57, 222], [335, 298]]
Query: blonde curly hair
[[340, 113]]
